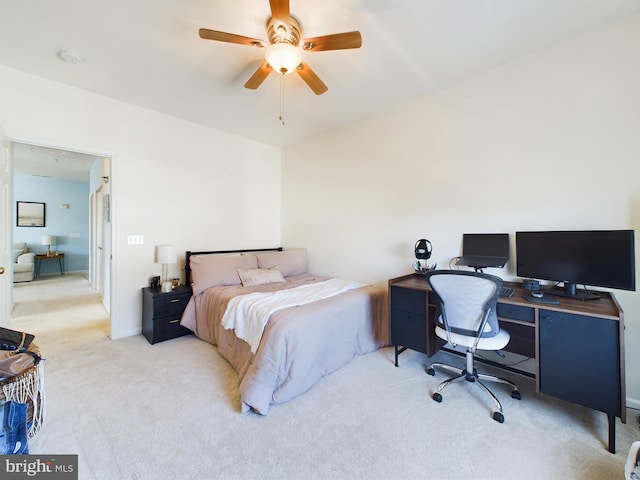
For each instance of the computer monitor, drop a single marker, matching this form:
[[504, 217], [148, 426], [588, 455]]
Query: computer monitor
[[480, 250], [600, 258]]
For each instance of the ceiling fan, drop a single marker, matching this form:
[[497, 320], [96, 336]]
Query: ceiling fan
[[284, 48]]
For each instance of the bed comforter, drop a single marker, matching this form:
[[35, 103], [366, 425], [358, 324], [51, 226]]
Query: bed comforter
[[299, 346]]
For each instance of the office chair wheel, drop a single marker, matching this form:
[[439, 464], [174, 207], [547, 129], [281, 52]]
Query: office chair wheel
[[437, 397], [431, 371], [516, 394], [498, 417]]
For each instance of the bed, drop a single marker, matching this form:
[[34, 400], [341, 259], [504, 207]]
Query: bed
[[301, 326]]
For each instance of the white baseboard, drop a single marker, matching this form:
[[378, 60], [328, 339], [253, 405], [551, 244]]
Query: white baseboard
[[633, 403], [126, 333]]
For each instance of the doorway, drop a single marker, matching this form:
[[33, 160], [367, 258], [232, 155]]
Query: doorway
[[83, 229]]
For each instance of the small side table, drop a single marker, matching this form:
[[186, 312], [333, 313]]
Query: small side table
[[40, 258], [161, 313]]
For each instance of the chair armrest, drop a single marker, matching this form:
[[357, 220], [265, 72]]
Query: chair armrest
[[28, 257]]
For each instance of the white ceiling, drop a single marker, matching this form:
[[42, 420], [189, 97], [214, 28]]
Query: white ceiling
[[52, 162], [148, 52]]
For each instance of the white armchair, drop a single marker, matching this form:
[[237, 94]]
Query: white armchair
[[23, 263]]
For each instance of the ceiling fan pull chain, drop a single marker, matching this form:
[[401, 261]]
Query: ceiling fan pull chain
[[282, 98]]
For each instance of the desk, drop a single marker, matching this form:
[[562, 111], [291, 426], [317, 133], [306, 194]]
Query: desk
[[40, 258], [578, 346]]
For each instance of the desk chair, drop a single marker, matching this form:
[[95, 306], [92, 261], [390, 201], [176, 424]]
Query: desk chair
[[466, 315]]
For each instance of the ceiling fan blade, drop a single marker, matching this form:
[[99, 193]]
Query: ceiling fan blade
[[337, 41], [230, 38], [311, 79], [258, 77], [280, 10]]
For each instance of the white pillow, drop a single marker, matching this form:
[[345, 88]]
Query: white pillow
[[15, 254], [259, 276]]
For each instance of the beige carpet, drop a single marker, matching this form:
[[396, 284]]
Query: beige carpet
[[131, 410]]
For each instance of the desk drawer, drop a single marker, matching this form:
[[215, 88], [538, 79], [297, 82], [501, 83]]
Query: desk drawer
[[516, 312], [409, 330], [409, 300]]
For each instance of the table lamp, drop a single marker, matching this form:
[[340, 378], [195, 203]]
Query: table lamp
[[166, 254], [48, 240]]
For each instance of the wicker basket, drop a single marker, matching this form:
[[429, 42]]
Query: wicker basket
[[27, 387]]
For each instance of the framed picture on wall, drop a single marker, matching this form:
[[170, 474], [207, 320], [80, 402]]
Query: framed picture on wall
[[30, 214]]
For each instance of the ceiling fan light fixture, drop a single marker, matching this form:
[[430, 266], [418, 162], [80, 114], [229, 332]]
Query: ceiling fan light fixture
[[284, 47], [283, 57]]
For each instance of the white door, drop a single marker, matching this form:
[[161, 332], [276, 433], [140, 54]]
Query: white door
[[106, 253], [100, 258], [6, 280], [92, 240], [100, 241]]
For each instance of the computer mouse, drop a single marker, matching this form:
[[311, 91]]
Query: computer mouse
[[537, 294]]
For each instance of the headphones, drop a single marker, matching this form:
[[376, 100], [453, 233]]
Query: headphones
[[423, 249]]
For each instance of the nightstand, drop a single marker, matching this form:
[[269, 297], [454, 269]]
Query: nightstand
[[161, 313]]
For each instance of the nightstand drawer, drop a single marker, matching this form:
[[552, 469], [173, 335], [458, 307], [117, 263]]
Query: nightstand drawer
[[169, 304], [166, 329]]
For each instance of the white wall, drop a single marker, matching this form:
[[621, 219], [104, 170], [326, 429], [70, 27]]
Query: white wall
[[547, 142], [172, 181]]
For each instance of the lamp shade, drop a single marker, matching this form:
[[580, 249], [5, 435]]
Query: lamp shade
[[283, 57], [48, 240], [166, 254]]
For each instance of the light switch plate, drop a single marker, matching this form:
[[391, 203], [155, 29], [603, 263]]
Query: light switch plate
[[135, 239]]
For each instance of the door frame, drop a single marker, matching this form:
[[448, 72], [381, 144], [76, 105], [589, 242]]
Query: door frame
[[104, 171], [6, 228]]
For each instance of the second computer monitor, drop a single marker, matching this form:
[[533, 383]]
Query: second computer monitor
[[480, 250]]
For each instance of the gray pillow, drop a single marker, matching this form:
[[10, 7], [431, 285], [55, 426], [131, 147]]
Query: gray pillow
[[289, 262], [213, 270]]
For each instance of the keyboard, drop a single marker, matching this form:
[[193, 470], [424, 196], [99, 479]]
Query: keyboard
[[507, 292]]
